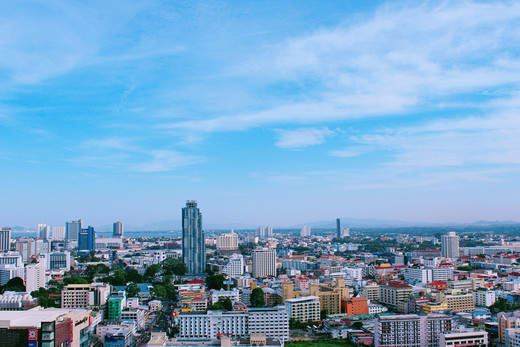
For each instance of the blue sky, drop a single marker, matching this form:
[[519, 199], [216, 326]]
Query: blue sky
[[268, 113]]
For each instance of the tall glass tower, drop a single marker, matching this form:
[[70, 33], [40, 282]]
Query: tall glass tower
[[193, 239]]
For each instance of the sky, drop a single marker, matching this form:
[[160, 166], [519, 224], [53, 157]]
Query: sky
[[265, 112]]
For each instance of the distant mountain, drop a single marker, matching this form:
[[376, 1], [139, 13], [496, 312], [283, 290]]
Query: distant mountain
[[359, 222]]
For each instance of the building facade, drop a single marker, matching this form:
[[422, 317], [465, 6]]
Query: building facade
[[264, 262], [117, 229], [193, 239], [450, 245]]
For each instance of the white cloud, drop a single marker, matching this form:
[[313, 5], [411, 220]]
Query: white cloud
[[166, 160], [400, 61], [303, 137]]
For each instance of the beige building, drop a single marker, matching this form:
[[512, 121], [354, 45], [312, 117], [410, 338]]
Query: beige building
[[227, 242], [85, 296], [457, 302], [304, 309], [507, 320], [371, 292], [391, 294]]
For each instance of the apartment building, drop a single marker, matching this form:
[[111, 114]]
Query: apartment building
[[507, 320], [457, 302], [304, 309], [468, 338], [411, 330], [393, 293], [273, 322], [355, 306], [85, 296]]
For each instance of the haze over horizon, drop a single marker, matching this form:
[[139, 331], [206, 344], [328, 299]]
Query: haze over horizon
[[266, 113]]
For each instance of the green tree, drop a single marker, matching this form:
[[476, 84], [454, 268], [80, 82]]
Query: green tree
[[223, 304], [151, 272], [215, 281], [14, 285], [357, 325], [257, 298], [133, 276], [132, 290], [75, 279], [174, 266]]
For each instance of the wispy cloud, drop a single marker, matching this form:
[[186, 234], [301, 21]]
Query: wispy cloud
[[400, 61], [303, 137]]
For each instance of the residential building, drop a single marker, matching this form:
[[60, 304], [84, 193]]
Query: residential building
[[306, 231], [44, 231], [193, 239], [393, 293], [273, 322], [457, 302], [450, 245], [235, 265], [264, 262], [26, 247], [114, 308], [370, 292], [507, 320], [232, 294], [5, 238], [330, 295], [410, 330], [35, 276], [227, 242], [467, 338], [58, 233], [117, 229], [484, 297], [304, 309], [355, 306], [85, 296]]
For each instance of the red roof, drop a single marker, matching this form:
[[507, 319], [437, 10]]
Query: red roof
[[437, 283], [196, 281]]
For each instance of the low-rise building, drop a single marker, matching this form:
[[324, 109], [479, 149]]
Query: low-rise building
[[468, 338]]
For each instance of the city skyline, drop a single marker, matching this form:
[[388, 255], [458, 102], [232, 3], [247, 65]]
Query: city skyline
[[267, 114]]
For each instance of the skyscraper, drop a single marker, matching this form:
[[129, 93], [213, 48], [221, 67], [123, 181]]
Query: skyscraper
[[72, 230], [306, 231], [87, 239], [193, 239], [118, 229], [5, 239], [450, 245], [260, 232], [338, 228], [58, 233]]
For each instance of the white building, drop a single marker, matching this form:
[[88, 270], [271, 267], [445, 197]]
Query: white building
[[450, 245], [233, 294], [26, 247], [58, 233], [35, 276], [264, 262], [273, 322], [511, 286], [484, 298], [469, 338], [5, 238], [235, 265], [306, 231], [227, 242]]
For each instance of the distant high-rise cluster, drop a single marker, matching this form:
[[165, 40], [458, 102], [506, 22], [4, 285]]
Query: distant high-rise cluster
[[118, 229], [306, 231], [450, 245], [264, 232], [193, 239]]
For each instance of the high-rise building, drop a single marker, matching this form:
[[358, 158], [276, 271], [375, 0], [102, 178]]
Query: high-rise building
[[44, 231], [35, 276], [304, 309], [26, 247], [306, 231], [193, 239], [338, 228], [269, 232], [264, 262], [260, 232], [450, 245], [118, 229], [58, 233], [235, 265], [87, 239], [5, 239], [345, 232], [72, 230]]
